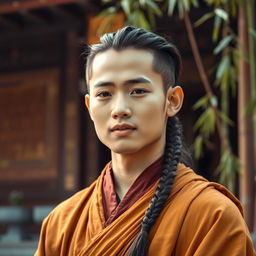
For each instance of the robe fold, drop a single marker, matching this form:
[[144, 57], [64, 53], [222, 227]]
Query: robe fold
[[200, 218]]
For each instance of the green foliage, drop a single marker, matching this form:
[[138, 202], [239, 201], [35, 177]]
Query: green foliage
[[229, 168], [221, 13], [216, 28], [223, 66], [171, 6], [139, 13], [222, 44], [181, 5], [126, 5], [223, 116], [198, 146], [203, 19], [201, 103], [206, 122]]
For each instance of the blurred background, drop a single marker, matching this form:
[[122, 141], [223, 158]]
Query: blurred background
[[48, 146]]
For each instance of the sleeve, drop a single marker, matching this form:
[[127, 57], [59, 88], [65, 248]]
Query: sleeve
[[48, 244], [214, 226]]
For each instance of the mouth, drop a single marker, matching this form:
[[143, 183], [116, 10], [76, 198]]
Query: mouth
[[122, 127]]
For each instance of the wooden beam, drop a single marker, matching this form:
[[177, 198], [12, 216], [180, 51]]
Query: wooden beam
[[15, 6], [31, 17], [60, 12], [8, 23]]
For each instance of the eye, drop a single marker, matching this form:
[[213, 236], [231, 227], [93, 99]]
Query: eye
[[103, 94], [139, 91]]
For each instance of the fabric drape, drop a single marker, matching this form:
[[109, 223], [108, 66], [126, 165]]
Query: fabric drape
[[200, 218]]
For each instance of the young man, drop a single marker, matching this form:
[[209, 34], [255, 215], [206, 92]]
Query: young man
[[146, 201]]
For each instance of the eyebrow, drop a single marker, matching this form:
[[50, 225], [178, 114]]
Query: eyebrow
[[139, 80]]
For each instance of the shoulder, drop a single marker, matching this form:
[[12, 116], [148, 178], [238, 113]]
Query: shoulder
[[201, 202], [214, 215], [216, 212], [211, 197], [214, 204], [69, 207]]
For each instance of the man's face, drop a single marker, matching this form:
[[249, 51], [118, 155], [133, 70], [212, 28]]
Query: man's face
[[127, 102]]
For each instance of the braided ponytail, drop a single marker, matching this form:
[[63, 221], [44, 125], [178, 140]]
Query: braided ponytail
[[172, 156]]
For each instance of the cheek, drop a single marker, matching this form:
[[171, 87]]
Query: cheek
[[97, 111], [99, 121], [154, 111], [100, 115], [153, 117]]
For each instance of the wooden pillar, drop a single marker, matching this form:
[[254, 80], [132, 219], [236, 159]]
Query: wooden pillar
[[245, 125]]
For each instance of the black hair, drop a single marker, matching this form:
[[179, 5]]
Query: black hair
[[167, 62]]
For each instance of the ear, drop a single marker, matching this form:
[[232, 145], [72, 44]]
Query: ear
[[174, 99], [87, 103]]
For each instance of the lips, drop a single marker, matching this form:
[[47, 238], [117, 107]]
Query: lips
[[122, 127]]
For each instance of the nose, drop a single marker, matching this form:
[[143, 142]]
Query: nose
[[120, 108]]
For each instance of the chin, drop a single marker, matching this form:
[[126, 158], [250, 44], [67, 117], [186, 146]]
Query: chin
[[123, 150]]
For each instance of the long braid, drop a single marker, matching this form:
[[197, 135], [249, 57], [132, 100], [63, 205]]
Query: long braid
[[172, 155]]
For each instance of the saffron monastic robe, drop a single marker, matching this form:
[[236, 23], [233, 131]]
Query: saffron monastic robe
[[200, 218]]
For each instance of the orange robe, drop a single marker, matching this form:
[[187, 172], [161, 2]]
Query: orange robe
[[200, 218]]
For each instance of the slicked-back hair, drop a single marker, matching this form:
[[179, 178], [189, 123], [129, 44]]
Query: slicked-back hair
[[166, 62], [166, 58]]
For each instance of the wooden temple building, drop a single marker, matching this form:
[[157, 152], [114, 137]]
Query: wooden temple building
[[48, 147]]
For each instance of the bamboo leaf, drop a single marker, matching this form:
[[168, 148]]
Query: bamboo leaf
[[229, 168], [171, 6], [186, 4], [234, 6], [195, 3], [216, 28], [224, 64], [151, 17], [221, 13], [180, 8], [222, 44], [142, 3], [225, 118], [206, 122], [141, 20], [224, 80], [126, 5], [203, 19], [200, 121], [198, 146], [132, 19], [210, 122], [202, 102], [154, 7]]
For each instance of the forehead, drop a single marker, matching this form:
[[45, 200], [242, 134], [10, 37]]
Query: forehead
[[118, 61]]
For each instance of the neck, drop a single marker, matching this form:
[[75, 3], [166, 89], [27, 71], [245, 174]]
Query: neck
[[127, 168]]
